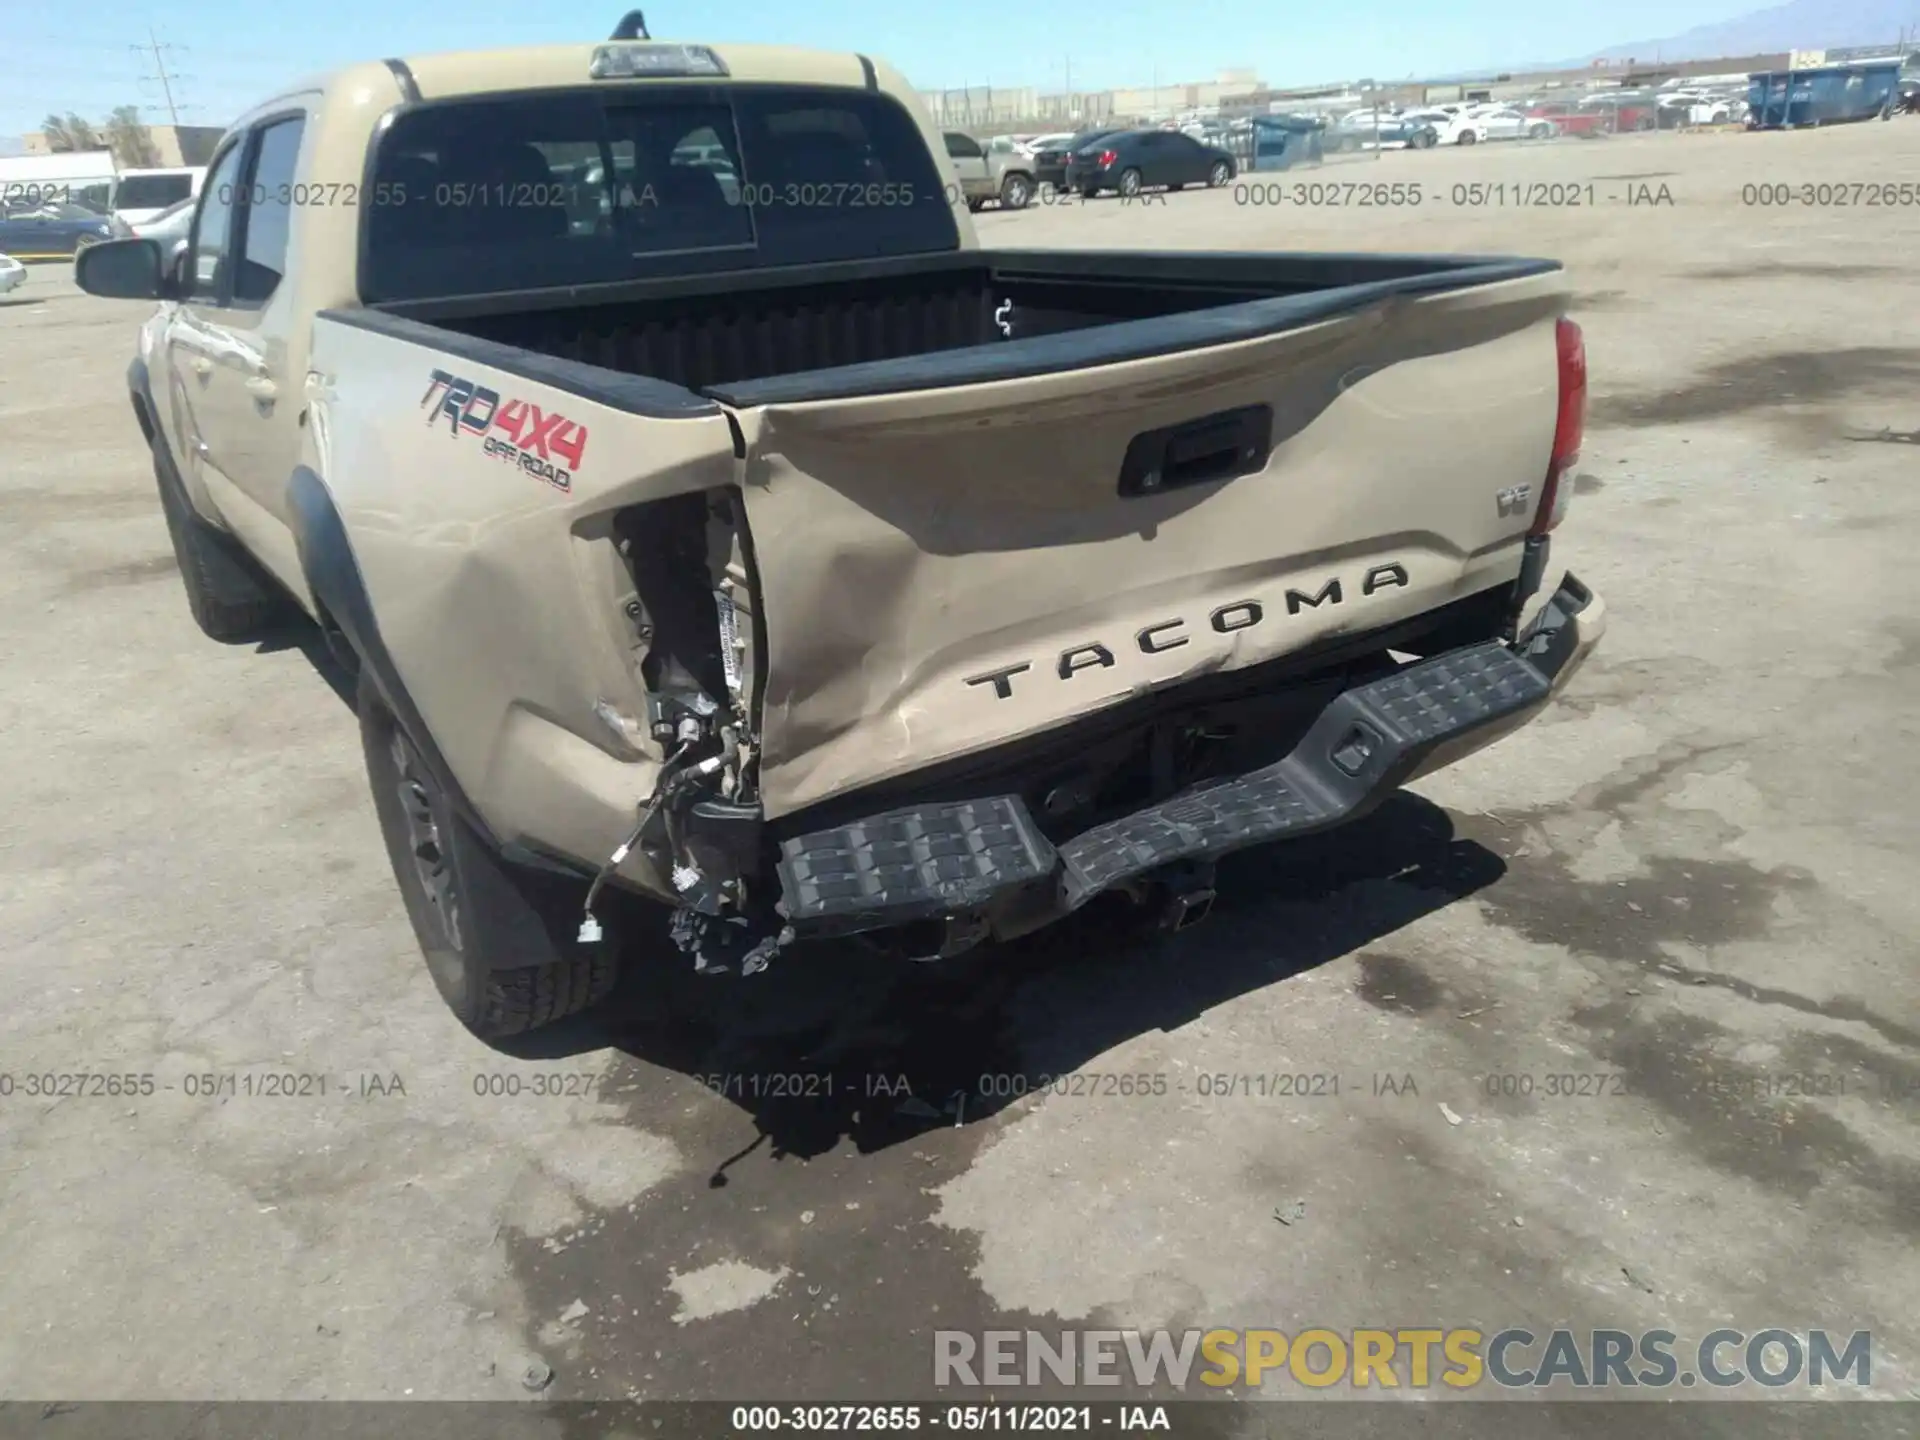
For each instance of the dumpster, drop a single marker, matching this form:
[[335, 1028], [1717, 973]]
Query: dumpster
[[1822, 95], [1279, 142]]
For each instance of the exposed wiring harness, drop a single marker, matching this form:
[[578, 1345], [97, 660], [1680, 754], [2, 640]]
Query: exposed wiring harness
[[664, 790]]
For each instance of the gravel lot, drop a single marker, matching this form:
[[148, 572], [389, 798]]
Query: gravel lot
[[1698, 875]]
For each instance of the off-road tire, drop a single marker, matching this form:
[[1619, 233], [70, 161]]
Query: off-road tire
[[229, 597], [500, 940], [1016, 192]]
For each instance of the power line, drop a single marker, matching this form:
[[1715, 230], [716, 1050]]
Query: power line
[[154, 47]]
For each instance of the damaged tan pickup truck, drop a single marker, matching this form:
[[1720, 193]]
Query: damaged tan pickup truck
[[732, 553]]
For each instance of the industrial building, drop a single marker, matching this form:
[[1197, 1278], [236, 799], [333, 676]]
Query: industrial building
[[177, 145]]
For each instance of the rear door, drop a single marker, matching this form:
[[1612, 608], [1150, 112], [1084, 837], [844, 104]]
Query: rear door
[[246, 360], [1186, 160], [945, 571]]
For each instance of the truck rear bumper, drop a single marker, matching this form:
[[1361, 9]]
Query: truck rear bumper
[[983, 867]]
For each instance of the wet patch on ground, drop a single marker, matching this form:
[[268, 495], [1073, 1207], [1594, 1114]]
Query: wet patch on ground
[[1396, 984], [1747, 1119], [128, 572], [820, 1115], [1605, 300], [1693, 903], [1793, 270], [1887, 436], [1737, 387]]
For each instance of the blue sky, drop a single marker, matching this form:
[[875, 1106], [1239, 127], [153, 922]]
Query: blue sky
[[228, 54]]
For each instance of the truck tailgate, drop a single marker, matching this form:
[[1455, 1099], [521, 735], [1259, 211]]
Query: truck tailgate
[[944, 571]]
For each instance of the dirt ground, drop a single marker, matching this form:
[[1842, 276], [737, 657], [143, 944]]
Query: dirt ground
[[1696, 875]]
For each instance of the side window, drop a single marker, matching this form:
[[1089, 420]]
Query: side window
[[214, 224], [270, 196], [963, 147]]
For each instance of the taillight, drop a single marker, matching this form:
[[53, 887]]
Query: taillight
[[1569, 428], [1107, 157]]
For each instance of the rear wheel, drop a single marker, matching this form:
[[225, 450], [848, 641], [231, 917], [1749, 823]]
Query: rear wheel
[[1467, 137], [500, 941], [1540, 132], [1015, 192], [1129, 184], [229, 598]]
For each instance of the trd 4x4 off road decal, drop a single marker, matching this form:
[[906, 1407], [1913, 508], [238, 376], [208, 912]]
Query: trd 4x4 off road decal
[[522, 434]]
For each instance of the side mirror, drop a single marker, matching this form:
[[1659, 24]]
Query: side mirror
[[121, 270]]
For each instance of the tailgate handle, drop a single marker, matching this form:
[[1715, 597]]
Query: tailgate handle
[[1217, 447]]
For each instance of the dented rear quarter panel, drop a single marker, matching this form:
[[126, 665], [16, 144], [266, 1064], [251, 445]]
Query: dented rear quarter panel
[[497, 592]]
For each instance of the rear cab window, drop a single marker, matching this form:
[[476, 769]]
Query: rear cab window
[[580, 186]]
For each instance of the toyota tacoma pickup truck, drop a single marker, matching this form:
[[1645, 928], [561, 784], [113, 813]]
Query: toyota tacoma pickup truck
[[728, 572]]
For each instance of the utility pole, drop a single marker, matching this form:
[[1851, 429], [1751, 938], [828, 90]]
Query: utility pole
[[155, 48]]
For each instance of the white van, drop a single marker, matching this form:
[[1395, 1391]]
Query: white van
[[143, 194]]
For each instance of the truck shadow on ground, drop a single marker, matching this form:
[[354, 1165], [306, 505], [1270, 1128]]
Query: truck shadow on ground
[[842, 1044]]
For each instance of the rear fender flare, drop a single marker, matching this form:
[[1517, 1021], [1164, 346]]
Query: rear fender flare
[[340, 594]]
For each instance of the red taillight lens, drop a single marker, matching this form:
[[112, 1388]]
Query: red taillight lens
[[1569, 429], [1107, 157]]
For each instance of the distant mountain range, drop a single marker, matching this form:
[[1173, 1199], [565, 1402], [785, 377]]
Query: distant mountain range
[[1797, 25]]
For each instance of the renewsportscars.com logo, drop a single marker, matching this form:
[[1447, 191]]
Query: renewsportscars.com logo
[[1412, 1358]]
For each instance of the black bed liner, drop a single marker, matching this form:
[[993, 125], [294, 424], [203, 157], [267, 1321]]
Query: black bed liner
[[766, 337]]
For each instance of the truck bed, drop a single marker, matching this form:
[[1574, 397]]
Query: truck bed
[[729, 336]]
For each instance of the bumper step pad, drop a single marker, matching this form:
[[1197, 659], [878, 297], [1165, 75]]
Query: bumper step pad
[[915, 864], [937, 860]]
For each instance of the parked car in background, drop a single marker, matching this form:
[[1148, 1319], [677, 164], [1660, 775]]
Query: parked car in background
[[169, 225], [1011, 163], [1050, 159], [1569, 119], [1364, 130], [142, 194], [969, 159], [999, 171], [12, 274], [53, 232], [1698, 107], [1624, 112], [1450, 127], [1504, 122], [1136, 160]]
